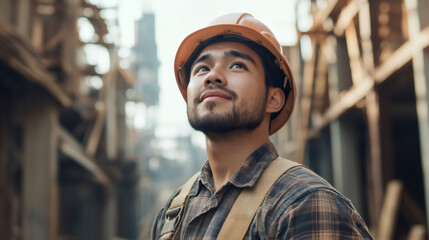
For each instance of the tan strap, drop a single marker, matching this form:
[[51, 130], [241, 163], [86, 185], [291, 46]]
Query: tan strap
[[176, 212], [249, 200]]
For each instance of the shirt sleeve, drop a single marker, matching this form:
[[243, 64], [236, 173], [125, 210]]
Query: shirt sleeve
[[156, 230], [158, 223], [320, 215]]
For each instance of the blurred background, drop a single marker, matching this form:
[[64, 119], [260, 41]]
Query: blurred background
[[94, 134]]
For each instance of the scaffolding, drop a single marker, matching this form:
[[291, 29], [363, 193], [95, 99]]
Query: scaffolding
[[362, 115], [65, 147]]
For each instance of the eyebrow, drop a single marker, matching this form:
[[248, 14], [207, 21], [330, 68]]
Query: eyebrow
[[229, 53], [201, 59], [239, 54]]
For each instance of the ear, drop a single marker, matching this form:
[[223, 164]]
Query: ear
[[275, 101]]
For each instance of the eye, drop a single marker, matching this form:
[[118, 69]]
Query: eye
[[238, 66], [201, 69]]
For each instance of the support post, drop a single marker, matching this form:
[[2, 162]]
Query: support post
[[420, 59], [307, 92], [373, 113], [39, 115]]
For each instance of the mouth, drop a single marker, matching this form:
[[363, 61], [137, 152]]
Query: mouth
[[214, 95]]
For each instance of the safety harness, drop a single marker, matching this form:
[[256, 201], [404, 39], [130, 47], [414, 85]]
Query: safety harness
[[242, 212]]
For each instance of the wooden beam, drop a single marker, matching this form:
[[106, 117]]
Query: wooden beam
[[20, 56], [346, 16], [376, 166], [354, 54], [97, 130], [69, 43], [321, 16], [400, 57], [381, 73], [40, 168], [320, 78], [389, 213], [373, 115], [365, 35], [72, 148], [344, 102], [307, 92], [421, 78]]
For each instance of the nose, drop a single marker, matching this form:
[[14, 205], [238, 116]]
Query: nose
[[215, 77]]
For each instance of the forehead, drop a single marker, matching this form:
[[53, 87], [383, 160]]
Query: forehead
[[222, 47]]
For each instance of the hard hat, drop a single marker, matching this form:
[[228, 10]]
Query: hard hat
[[242, 26]]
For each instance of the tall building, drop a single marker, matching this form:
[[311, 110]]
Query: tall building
[[147, 63]]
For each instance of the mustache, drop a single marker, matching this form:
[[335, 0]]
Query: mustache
[[231, 93]]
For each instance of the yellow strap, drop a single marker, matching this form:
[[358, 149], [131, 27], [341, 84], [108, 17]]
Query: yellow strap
[[171, 228], [249, 200]]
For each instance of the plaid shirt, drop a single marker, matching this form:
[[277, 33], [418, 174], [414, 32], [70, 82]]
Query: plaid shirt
[[300, 205]]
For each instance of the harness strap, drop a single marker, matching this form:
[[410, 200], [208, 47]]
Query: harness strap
[[249, 200], [176, 211], [242, 212]]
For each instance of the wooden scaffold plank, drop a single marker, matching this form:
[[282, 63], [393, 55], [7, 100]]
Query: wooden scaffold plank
[[72, 148]]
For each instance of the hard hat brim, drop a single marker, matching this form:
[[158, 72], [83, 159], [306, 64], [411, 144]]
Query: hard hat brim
[[191, 42]]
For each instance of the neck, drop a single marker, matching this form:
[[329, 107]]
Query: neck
[[226, 153]]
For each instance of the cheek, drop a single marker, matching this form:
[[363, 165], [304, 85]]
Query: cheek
[[253, 88], [192, 91]]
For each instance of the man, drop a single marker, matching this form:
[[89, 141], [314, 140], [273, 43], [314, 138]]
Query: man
[[239, 90]]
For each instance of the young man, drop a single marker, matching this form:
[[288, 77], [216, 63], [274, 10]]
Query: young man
[[239, 90]]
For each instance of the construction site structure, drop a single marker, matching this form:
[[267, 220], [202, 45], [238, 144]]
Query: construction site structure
[[67, 154], [361, 119]]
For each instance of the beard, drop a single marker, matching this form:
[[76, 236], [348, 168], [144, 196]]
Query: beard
[[241, 117]]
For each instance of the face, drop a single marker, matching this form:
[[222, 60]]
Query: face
[[226, 90]]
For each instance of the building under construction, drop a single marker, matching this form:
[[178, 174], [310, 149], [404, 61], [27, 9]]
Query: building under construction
[[361, 119], [67, 155]]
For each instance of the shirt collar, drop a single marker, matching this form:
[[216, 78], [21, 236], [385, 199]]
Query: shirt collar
[[249, 171], [248, 174]]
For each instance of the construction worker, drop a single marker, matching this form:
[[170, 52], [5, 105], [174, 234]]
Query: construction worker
[[239, 90]]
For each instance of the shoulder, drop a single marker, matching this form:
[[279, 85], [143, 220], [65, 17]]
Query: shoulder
[[301, 201], [301, 186], [298, 183]]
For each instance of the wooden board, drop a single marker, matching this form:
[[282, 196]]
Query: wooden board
[[40, 171], [389, 212]]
